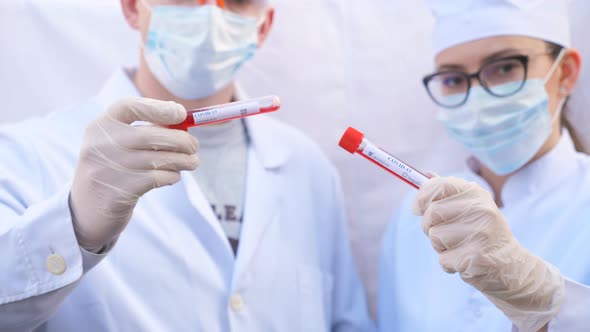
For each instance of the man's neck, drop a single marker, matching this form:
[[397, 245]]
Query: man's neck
[[149, 87]]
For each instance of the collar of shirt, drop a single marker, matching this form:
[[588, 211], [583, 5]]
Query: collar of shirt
[[262, 138], [536, 178], [220, 135]]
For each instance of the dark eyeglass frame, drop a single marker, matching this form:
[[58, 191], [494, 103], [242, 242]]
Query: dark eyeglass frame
[[523, 59]]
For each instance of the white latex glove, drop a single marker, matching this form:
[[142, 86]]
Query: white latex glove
[[472, 237], [119, 163]]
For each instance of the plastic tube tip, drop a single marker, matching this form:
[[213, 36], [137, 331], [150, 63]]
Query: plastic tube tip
[[276, 102]]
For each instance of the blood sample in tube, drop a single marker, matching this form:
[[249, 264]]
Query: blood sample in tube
[[354, 141], [227, 112]]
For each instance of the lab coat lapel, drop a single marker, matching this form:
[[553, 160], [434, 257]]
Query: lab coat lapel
[[203, 208], [265, 185]]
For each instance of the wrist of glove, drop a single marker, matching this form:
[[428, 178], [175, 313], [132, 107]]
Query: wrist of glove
[[473, 239], [87, 240]]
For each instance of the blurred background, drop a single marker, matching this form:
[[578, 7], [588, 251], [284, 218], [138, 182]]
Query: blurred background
[[334, 63]]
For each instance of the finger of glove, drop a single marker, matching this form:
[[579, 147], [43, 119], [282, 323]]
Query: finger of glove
[[431, 175], [144, 160], [452, 208], [149, 180], [125, 187], [458, 259], [436, 189], [447, 236], [150, 138], [479, 259], [129, 110]]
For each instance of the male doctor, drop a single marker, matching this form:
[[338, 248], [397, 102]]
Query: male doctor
[[254, 240]]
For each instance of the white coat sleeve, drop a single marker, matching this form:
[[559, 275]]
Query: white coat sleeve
[[34, 226], [350, 306], [574, 314]]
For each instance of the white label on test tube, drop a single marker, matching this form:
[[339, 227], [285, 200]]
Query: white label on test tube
[[231, 111], [393, 164]]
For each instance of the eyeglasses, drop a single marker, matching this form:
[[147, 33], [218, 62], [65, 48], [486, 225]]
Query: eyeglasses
[[500, 77]]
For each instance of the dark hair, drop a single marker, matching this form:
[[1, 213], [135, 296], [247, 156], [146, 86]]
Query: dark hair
[[554, 49]]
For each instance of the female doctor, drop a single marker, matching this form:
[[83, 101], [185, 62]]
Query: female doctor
[[516, 229]]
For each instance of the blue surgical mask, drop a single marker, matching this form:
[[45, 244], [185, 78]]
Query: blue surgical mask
[[194, 52], [504, 133]]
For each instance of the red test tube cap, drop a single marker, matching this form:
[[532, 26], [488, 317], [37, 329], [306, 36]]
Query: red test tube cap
[[351, 140]]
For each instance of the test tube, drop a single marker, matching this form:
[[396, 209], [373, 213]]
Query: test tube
[[230, 111], [355, 141]]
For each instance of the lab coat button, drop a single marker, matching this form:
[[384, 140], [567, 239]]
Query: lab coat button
[[56, 264], [237, 303]]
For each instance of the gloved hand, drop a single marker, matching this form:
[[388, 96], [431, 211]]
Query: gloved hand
[[472, 237], [119, 163]]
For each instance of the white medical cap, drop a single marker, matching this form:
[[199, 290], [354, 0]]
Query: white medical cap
[[460, 21]]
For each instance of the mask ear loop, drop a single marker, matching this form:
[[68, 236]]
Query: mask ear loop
[[146, 5], [260, 22], [562, 101], [555, 65], [262, 19], [559, 108]]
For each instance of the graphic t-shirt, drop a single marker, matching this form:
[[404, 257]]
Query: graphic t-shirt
[[222, 173]]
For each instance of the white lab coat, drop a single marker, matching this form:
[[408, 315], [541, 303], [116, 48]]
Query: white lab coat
[[547, 205], [173, 268]]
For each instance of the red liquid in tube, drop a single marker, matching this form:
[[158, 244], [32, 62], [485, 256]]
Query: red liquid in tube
[[227, 112]]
